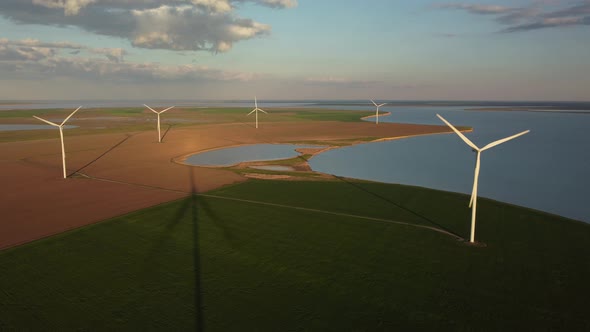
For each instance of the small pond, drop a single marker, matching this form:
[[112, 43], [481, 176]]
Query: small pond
[[239, 154]]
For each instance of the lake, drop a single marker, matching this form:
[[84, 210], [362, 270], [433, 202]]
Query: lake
[[546, 169]]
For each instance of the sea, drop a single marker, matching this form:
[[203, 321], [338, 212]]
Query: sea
[[547, 169]]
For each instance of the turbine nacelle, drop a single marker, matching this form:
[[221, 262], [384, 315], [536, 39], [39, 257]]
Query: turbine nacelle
[[153, 110], [377, 105], [258, 109]]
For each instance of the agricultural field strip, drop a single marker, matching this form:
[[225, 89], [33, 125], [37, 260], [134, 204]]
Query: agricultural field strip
[[438, 230]]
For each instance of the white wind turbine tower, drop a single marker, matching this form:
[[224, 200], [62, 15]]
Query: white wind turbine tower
[[473, 201], [61, 135], [255, 110], [377, 112], [158, 113]]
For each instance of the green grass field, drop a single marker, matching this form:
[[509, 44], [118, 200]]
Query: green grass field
[[218, 264]]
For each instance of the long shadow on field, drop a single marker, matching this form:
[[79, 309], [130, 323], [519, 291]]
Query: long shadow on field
[[200, 326], [166, 132], [194, 205], [398, 205], [188, 212], [127, 136]]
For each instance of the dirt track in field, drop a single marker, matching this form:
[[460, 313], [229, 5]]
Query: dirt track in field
[[37, 202]]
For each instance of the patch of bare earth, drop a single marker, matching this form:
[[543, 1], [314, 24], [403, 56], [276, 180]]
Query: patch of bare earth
[[119, 173]]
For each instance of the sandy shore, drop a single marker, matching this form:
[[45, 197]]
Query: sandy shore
[[375, 115], [126, 172]]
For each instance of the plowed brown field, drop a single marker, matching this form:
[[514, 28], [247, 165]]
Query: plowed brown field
[[122, 173]]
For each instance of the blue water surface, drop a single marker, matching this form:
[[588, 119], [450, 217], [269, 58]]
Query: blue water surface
[[236, 155], [547, 169], [17, 127]]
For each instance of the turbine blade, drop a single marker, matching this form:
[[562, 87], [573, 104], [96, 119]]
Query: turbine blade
[[374, 103], [382, 105], [500, 141], [263, 111], [150, 108], [167, 109], [465, 139], [48, 122], [254, 110], [255, 102], [69, 116]]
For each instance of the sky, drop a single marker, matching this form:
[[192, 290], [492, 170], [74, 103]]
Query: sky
[[295, 49]]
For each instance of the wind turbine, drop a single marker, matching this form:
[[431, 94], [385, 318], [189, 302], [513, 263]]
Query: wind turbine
[[159, 135], [377, 112], [61, 135], [478, 151], [255, 110]]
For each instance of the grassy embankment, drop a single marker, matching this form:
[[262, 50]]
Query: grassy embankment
[[207, 263]]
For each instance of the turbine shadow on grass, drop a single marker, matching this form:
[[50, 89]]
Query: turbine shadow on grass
[[194, 205], [190, 207], [200, 325], [188, 212], [398, 205], [127, 136]]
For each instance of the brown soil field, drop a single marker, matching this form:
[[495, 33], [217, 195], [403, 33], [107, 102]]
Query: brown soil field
[[118, 173]]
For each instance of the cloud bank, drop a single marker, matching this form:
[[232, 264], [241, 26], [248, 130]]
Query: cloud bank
[[189, 25], [34, 59], [538, 15]]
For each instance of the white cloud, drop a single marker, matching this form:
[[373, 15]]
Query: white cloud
[[477, 8], [216, 6], [73, 7], [280, 3], [70, 7], [211, 25], [538, 15], [188, 28], [112, 54], [37, 43], [19, 59]]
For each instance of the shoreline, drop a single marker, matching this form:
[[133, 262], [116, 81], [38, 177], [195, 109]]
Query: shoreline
[[374, 115], [182, 158]]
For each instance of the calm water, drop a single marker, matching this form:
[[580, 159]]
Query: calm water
[[16, 127], [547, 169], [59, 104], [236, 155]]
